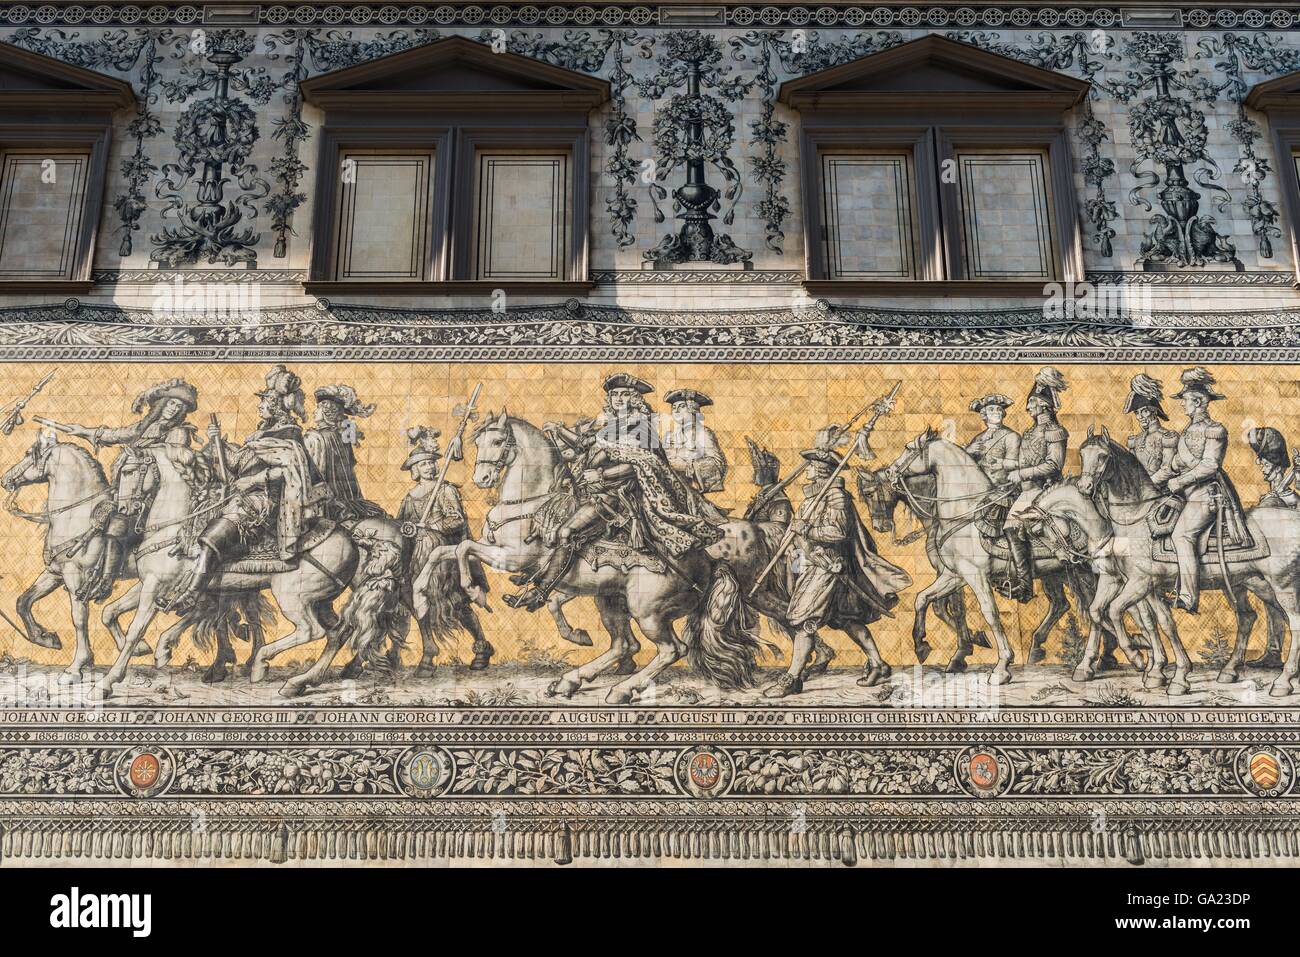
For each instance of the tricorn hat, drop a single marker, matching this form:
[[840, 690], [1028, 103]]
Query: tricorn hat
[[346, 396], [993, 398], [688, 395], [1144, 392], [1270, 445], [424, 446], [1197, 381], [625, 380], [177, 389], [1048, 385], [824, 456]]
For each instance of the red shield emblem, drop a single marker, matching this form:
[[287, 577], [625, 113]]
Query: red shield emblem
[[983, 770], [144, 771], [1264, 770], [705, 771]]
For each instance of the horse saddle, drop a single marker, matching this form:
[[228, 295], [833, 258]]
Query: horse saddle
[[620, 555], [1236, 547], [1042, 551], [263, 555]]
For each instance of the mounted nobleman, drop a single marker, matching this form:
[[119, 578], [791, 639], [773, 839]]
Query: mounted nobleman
[[1038, 466], [332, 444], [621, 485], [1278, 466], [1200, 493], [1155, 445], [119, 520], [447, 608], [272, 487]]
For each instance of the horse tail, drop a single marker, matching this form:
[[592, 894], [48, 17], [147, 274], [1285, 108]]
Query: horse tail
[[721, 633], [375, 610], [245, 615]]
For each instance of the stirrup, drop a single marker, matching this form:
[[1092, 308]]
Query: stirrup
[[530, 599]]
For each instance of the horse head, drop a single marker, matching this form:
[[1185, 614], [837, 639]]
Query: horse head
[[32, 468], [881, 496], [1096, 453], [495, 449], [913, 460]]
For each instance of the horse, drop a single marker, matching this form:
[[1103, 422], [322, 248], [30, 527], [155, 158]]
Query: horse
[[961, 493], [1114, 473], [304, 593], [710, 587], [883, 500]]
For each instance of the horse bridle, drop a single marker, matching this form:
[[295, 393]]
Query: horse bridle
[[43, 518], [508, 450]]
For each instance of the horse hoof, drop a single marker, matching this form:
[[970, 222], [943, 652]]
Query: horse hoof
[[101, 691], [257, 672], [618, 695], [71, 677], [49, 639], [561, 688], [1036, 655], [1281, 688], [956, 666], [923, 650], [1179, 687], [214, 675], [1083, 674], [1267, 660], [1140, 662], [580, 637], [425, 671], [626, 666], [1000, 676], [1228, 676], [141, 649], [290, 690], [1153, 681], [980, 640]]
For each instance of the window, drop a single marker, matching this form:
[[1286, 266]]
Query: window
[[1279, 100], [56, 121], [452, 169], [384, 215], [42, 202], [937, 162]]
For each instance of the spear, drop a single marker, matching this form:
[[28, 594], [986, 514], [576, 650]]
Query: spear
[[14, 417], [880, 407]]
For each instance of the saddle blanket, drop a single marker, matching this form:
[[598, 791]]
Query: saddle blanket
[[1246, 550], [998, 551], [263, 558], [620, 555]]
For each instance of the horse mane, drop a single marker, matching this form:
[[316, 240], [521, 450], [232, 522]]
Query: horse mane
[[1126, 476], [86, 457]]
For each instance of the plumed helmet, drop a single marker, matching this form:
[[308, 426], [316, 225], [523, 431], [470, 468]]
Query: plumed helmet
[[767, 467], [1144, 392], [177, 389], [1270, 445], [1198, 381], [424, 446], [346, 396], [1048, 385], [286, 387]]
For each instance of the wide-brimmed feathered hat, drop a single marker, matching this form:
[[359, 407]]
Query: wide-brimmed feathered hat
[[424, 446], [1144, 392], [177, 389], [1270, 445], [688, 395], [1048, 385], [993, 398], [625, 380], [346, 396], [1198, 381]]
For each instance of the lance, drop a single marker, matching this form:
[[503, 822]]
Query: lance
[[880, 408], [420, 581], [14, 417]]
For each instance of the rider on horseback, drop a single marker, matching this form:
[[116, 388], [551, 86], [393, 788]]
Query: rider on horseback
[[1279, 467], [623, 482], [690, 445], [1155, 445], [271, 478], [1195, 475], [331, 443], [1038, 465], [119, 519]]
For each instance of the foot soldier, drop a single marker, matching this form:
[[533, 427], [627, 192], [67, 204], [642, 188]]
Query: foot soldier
[[838, 579], [449, 608], [120, 518], [1197, 484], [1278, 466], [271, 482], [1155, 445], [331, 445], [690, 445], [622, 483], [1042, 456], [771, 504]]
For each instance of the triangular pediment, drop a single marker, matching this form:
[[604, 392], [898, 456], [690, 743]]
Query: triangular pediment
[[27, 77], [454, 67], [1282, 91], [937, 69]]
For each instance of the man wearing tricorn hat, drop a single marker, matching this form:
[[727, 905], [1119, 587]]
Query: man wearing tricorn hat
[[331, 444], [1039, 465], [1278, 466], [449, 607], [120, 519], [1155, 445], [624, 486], [1195, 474], [997, 448], [690, 445], [272, 478], [838, 579]]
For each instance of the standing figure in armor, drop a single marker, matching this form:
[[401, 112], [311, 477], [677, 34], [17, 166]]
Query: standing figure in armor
[[622, 483], [119, 519], [1039, 465], [839, 581], [1279, 467], [331, 445], [272, 481], [997, 448], [1195, 475], [449, 608], [1155, 445], [691, 446]]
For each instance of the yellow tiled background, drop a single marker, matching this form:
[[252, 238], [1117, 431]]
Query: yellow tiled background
[[780, 406]]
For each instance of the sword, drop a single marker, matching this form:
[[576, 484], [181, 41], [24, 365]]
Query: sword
[[881, 407]]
